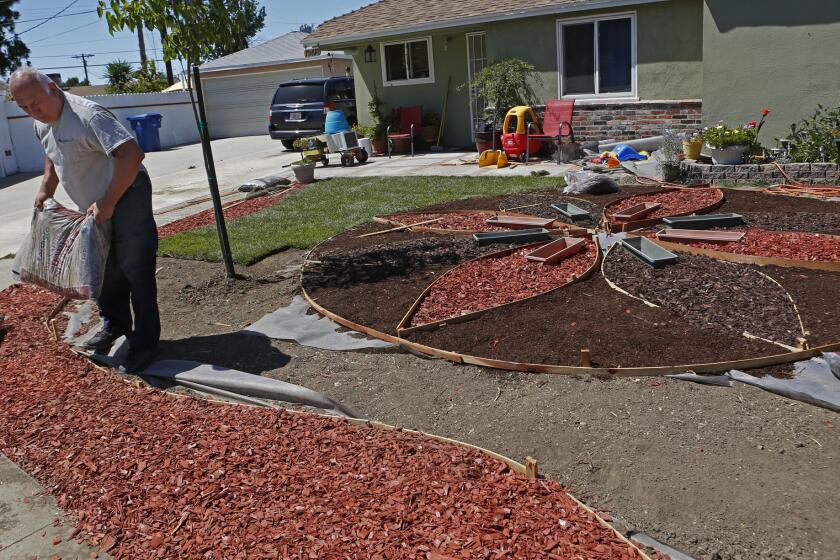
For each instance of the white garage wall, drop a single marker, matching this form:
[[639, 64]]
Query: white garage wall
[[178, 126], [238, 105]]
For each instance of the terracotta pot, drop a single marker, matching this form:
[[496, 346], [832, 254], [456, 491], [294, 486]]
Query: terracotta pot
[[401, 145], [484, 141], [429, 134], [380, 145], [692, 149]]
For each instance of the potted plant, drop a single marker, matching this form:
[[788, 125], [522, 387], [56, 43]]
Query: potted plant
[[692, 145], [431, 122], [380, 124], [503, 84], [304, 171], [728, 145], [669, 160]]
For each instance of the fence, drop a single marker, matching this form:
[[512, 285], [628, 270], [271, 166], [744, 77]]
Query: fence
[[22, 152]]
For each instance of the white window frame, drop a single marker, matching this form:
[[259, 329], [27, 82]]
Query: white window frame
[[624, 95], [408, 82]]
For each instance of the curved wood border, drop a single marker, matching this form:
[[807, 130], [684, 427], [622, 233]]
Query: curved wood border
[[556, 225], [751, 259], [616, 227], [403, 329]]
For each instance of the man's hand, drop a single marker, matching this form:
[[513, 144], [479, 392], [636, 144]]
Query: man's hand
[[102, 211], [41, 197]]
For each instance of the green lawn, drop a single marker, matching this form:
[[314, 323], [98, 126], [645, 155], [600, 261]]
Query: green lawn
[[331, 206]]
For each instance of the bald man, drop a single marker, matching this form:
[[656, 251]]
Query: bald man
[[99, 164]]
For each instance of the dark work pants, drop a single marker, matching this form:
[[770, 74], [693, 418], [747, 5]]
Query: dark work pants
[[129, 281]]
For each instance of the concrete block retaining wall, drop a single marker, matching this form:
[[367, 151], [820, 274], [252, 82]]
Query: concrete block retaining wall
[[808, 173], [634, 119]]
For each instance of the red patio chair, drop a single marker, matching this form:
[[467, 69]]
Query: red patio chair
[[558, 114], [411, 119]]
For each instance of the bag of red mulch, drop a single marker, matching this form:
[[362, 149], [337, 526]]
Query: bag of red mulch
[[64, 252]]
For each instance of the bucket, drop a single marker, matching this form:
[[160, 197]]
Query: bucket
[[692, 149], [304, 172], [366, 145], [336, 122]]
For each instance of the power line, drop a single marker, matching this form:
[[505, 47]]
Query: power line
[[62, 10], [89, 65], [47, 18], [63, 33], [70, 56]]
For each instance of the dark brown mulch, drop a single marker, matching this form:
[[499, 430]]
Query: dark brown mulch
[[147, 475], [544, 209], [783, 213], [815, 293], [708, 292], [371, 264], [826, 222]]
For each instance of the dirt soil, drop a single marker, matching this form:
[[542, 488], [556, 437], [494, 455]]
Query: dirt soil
[[720, 473], [783, 213], [710, 292]]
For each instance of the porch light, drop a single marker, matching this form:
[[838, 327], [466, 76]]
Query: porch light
[[370, 54]]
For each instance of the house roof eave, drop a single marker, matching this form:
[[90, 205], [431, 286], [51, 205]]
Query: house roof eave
[[473, 20]]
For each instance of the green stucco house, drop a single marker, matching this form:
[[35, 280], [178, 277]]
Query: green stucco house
[[634, 67]]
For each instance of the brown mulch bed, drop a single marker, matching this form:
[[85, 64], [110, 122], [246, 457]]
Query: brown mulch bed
[[152, 476], [493, 281], [708, 292], [233, 211], [798, 246], [461, 222], [815, 293], [680, 201], [783, 213]]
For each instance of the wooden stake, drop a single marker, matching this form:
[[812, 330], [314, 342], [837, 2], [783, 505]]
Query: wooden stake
[[531, 468], [398, 228], [585, 358]]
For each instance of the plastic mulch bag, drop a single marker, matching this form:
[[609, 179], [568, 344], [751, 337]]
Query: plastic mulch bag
[[64, 252], [587, 182]]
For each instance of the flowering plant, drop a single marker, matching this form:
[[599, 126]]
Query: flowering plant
[[722, 136]]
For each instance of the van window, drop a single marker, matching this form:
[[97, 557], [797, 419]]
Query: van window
[[341, 90], [299, 93]]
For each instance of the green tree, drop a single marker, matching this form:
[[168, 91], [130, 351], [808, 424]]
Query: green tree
[[13, 51], [74, 82], [119, 74]]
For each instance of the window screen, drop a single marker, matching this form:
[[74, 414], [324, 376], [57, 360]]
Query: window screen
[[407, 61], [598, 57], [579, 58], [614, 56]]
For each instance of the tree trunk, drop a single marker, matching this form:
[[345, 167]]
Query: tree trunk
[[170, 77], [141, 42]]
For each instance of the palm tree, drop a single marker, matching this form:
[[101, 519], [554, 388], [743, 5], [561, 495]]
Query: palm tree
[[119, 74]]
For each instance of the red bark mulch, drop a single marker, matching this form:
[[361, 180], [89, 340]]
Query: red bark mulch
[[206, 217], [149, 475], [680, 201], [780, 244], [462, 222], [493, 281]]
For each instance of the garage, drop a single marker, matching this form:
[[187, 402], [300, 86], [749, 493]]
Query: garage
[[238, 88]]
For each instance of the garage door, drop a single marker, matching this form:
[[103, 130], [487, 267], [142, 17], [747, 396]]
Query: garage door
[[238, 105]]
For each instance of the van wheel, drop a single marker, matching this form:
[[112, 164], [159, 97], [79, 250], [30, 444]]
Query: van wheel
[[288, 144]]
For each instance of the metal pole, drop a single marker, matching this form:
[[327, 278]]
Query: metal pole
[[210, 167]]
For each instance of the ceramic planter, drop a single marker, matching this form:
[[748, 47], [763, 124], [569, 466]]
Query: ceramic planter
[[692, 149], [304, 172], [731, 155]]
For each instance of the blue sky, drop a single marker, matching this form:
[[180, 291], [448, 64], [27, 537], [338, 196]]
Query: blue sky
[[54, 43]]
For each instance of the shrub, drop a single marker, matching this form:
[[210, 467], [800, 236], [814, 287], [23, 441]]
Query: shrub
[[812, 139], [505, 84]]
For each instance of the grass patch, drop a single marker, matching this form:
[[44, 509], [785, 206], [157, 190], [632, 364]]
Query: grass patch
[[307, 217]]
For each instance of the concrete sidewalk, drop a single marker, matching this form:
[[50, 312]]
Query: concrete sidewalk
[[31, 525]]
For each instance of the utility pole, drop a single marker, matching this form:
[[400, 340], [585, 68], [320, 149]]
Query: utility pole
[[84, 58], [141, 42]]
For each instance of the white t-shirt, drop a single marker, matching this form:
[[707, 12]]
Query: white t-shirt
[[80, 144]]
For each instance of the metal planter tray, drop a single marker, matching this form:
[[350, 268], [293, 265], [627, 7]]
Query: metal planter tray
[[556, 251], [518, 236], [649, 252], [638, 211], [571, 211], [704, 222], [669, 234], [518, 222]]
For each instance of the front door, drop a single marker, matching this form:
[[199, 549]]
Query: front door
[[476, 61]]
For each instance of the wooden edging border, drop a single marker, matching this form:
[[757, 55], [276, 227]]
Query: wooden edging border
[[616, 227], [556, 226], [751, 259], [403, 329]]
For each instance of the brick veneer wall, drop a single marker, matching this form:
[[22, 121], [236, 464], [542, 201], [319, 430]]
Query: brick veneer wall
[[808, 173], [632, 120]]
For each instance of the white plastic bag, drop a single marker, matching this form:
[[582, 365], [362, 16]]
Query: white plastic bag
[[64, 252], [587, 182]]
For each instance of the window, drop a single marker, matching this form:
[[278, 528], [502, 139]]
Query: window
[[341, 90], [597, 57], [408, 62]]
